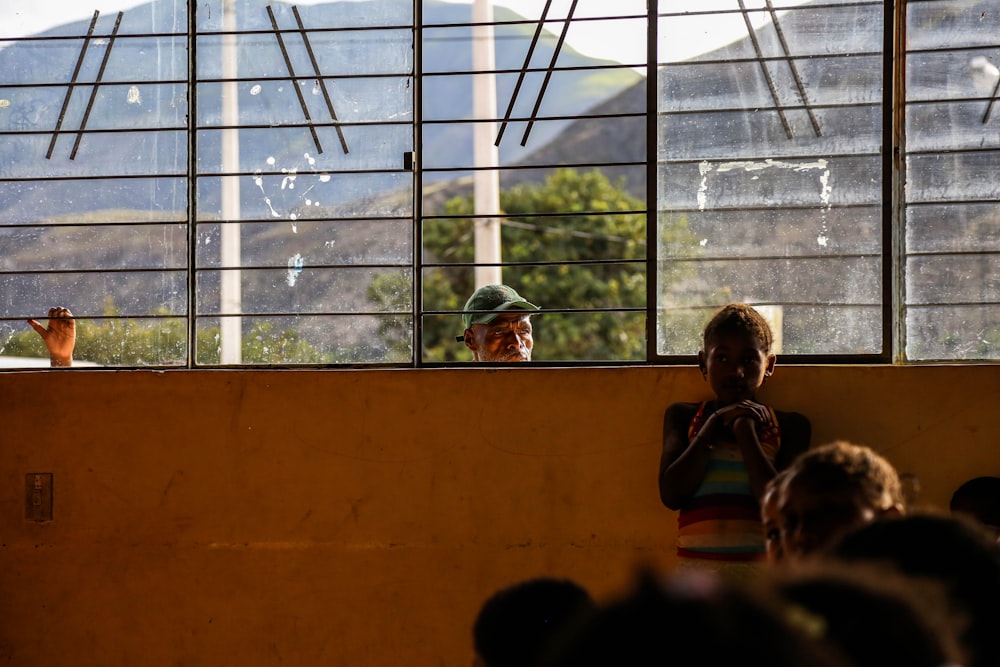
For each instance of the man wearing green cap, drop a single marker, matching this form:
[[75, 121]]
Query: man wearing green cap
[[498, 324]]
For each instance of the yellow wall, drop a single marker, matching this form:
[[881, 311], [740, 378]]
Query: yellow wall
[[360, 517]]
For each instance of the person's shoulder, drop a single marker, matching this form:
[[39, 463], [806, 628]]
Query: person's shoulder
[[789, 418], [681, 408], [680, 414], [796, 434]]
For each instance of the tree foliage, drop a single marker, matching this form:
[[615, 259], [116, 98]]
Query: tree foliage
[[161, 340]]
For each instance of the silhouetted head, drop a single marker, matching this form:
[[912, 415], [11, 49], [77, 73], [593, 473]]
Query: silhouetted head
[[515, 625], [831, 489], [952, 551]]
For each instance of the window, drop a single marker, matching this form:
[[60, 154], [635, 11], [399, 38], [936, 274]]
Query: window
[[778, 151], [243, 182]]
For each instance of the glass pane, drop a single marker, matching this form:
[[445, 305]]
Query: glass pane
[[952, 300], [770, 170], [93, 191], [534, 151], [305, 128]]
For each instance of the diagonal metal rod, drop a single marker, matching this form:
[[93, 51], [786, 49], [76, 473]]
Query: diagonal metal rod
[[548, 72], [295, 84], [993, 99], [763, 67], [72, 83], [97, 84], [795, 71], [524, 71], [319, 78]]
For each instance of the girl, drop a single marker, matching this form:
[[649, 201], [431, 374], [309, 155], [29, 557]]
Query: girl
[[719, 455]]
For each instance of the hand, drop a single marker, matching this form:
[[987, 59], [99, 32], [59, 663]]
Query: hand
[[59, 337], [745, 410]]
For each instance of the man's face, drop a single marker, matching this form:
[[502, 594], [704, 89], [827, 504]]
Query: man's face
[[506, 338]]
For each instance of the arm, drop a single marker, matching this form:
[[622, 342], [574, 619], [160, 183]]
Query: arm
[[682, 463], [795, 434], [59, 337], [759, 469]]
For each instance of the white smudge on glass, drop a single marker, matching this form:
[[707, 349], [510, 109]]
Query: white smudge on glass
[[295, 263]]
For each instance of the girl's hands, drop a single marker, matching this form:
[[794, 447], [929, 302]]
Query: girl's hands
[[749, 409]]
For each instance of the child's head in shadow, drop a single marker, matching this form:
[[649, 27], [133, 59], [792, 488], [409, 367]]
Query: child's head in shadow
[[736, 356]]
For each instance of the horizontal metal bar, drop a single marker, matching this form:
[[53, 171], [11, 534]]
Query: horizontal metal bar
[[205, 223], [788, 157], [71, 271], [514, 119], [753, 61], [746, 259], [531, 22], [952, 253], [508, 217], [291, 314], [711, 111], [950, 304], [952, 202], [952, 49], [788, 304], [577, 262], [555, 311], [563, 68], [533, 167], [788, 8], [305, 267]]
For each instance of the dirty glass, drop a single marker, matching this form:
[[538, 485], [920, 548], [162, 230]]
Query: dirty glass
[[220, 183], [551, 198], [952, 234], [769, 139]]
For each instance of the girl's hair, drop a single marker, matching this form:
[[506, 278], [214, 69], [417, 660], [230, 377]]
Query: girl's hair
[[738, 318]]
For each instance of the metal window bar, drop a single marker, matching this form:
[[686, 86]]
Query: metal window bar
[[795, 70], [320, 79], [291, 73], [765, 71], [548, 73], [524, 71], [72, 84]]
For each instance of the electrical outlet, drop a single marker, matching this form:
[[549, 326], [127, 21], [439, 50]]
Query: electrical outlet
[[38, 496]]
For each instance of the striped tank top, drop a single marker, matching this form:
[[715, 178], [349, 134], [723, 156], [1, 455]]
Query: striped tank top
[[721, 521]]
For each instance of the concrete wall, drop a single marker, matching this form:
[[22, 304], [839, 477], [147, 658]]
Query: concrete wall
[[360, 517]]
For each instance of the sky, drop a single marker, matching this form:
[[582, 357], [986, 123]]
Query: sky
[[613, 40]]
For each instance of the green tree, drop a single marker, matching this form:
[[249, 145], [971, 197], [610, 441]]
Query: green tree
[[578, 244], [118, 341]]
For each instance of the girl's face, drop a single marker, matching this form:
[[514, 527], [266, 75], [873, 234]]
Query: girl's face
[[735, 364]]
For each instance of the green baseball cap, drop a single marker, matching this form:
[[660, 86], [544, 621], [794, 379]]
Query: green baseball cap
[[489, 301]]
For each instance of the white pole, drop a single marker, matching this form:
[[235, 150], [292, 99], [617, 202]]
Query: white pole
[[486, 157], [230, 294]]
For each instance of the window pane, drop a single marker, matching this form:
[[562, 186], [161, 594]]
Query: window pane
[[951, 245], [305, 124], [93, 192], [534, 165], [769, 171]]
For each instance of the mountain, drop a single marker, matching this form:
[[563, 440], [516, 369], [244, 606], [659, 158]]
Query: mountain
[[130, 99]]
